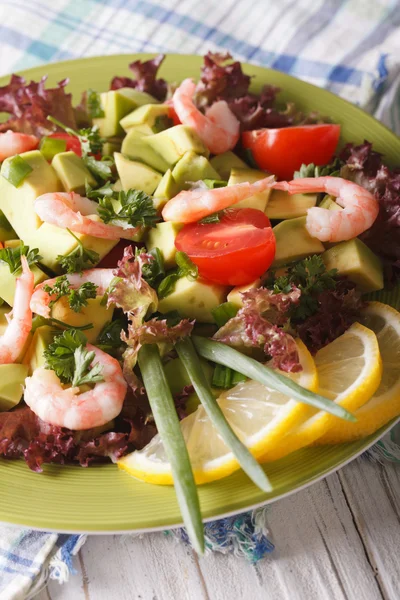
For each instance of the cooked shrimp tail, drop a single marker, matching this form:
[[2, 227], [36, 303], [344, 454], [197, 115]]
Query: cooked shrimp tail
[[48, 399], [72, 211], [219, 129], [360, 207], [193, 205], [12, 143], [13, 340]]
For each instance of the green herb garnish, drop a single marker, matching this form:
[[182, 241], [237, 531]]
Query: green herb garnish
[[77, 298], [136, 209], [79, 259], [109, 339], [312, 170], [15, 170], [94, 104], [153, 271], [12, 256], [224, 312], [186, 268]]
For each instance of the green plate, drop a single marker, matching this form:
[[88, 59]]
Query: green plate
[[103, 499]]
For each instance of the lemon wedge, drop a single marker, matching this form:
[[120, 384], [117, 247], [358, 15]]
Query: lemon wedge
[[259, 416], [385, 403], [349, 372]]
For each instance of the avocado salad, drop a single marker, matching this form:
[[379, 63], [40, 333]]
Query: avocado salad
[[188, 279]]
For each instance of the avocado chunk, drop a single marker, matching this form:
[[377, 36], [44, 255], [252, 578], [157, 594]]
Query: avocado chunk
[[116, 104], [145, 115], [4, 310], [234, 295], [94, 313], [192, 167], [134, 147], [293, 242], [353, 259], [12, 379], [194, 299], [329, 203], [17, 203], [53, 241], [34, 357], [72, 172], [172, 143], [166, 189], [282, 205], [162, 236], [225, 162], [6, 231], [8, 281], [111, 146], [258, 201], [136, 175]]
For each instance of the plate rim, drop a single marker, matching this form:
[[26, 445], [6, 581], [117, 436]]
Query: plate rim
[[27, 73]]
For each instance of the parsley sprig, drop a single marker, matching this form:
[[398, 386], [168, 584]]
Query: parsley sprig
[[311, 277], [312, 170], [94, 104], [77, 298], [68, 357], [79, 259], [186, 268], [136, 209], [12, 256]]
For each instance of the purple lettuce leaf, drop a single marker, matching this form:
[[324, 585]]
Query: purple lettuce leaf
[[145, 78]]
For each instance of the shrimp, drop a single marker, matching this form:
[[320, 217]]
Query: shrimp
[[190, 206], [12, 143], [70, 210], [19, 327], [219, 128], [40, 301], [48, 399], [360, 207]]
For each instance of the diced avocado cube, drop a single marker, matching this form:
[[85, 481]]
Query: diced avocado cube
[[4, 311], [225, 162], [34, 357], [163, 236], [282, 205], [117, 186], [172, 143], [353, 259], [258, 201], [234, 295], [144, 129], [8, 281], [293, 242], [136, 175], [111, 146], [116, 105], [12, 380], [134, 147], [145, 115], [329, 203], [72, 172], [17, 203], [166, 189], [192, 167], [94, 313], [6, 230], [194, 299], [53, 241]]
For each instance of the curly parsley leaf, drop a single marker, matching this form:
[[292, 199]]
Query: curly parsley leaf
[[101, 169], [12, 257], [311, 277], [186, 268], [59, 355], [136, 209], [109, 339], [77, 298], [83, 374], [94, 104], [79, 259], [311, 170], [153, 271]]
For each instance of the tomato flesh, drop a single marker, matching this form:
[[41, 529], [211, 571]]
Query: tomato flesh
[[235, 251], [283, 151], [73, 144], [172, 115]]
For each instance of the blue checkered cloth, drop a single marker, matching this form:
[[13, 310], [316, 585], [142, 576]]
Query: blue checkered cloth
[[349, 47]]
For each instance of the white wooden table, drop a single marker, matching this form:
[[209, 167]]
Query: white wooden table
[[337, 540]]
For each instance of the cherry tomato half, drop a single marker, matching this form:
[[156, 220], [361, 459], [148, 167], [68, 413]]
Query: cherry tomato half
[[172, 115], [72, 142], [234, 251], [283, 151]]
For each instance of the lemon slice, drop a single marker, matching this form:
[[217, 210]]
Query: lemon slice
[[385, 403], [349, 372], [258, 415]]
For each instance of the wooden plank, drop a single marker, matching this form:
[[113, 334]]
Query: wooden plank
[[373, 495]]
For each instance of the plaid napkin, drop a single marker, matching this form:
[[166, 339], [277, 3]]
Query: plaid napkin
[[349, 47]]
